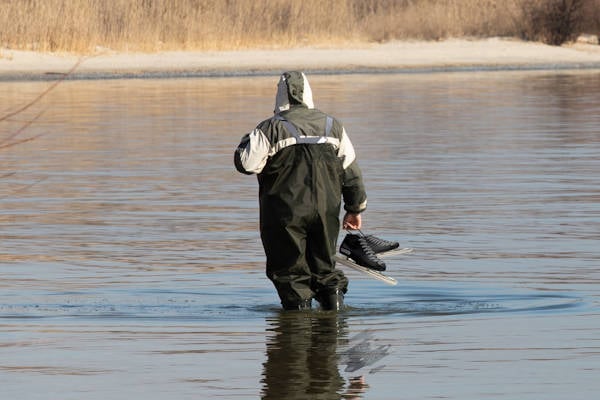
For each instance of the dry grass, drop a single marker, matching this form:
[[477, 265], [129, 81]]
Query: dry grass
[[149, 25], [438, 19]]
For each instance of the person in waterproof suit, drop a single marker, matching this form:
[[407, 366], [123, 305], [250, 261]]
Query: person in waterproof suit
[[305, 165]]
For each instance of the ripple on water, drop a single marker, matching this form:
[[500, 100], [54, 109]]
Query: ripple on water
[[254, 298]]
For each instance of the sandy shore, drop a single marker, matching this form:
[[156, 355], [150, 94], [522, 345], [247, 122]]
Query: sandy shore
[[451, 55]]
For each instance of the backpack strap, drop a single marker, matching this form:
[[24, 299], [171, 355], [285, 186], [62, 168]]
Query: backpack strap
[[290, 127]]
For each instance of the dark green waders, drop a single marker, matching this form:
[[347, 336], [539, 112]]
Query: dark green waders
[[300, 226]]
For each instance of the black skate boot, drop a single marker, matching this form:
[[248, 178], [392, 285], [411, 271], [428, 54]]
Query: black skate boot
[[357, 248], [379, 245]]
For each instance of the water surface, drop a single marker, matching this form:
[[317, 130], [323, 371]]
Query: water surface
[[131, 264]]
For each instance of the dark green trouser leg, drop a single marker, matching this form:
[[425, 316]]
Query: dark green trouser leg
[[300, 261], [286, 265], [329, 283]]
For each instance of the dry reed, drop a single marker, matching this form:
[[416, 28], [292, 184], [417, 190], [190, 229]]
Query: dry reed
[[148, 25]]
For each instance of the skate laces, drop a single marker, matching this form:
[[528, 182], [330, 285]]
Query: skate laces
[[377, 241], [364, 245]]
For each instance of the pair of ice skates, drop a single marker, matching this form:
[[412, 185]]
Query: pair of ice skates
[[363, 249]]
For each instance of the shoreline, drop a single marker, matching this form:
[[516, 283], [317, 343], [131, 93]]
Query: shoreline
[[453, 55]]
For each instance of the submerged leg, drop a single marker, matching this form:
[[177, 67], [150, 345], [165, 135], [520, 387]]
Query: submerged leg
[[331, 300], [329, 284], [287, 268]]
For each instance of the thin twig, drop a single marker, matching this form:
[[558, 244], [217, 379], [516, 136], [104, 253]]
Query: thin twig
[[10, 141], [44, 93], [29, 139], [20, 130], [22, 188], [7, 175]]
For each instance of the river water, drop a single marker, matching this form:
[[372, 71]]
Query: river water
[[131, 265]]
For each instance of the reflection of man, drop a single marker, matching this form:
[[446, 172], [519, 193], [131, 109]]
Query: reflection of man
[[302, 359]]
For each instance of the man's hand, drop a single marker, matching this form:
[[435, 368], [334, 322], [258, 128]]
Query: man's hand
[[352, 221]]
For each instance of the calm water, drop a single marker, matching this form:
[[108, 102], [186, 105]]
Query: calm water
[[131, 265]]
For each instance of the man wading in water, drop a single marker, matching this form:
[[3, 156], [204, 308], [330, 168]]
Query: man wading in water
[[305, 164]]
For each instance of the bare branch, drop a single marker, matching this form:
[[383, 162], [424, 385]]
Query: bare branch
[[44, 93], [29, 139], [22, 188], [19, 131], [7, 175]]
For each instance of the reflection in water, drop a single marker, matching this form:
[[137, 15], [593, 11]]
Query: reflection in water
[[303, 359]]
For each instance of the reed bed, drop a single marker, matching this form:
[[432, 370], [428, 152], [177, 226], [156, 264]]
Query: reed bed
[[85, 26]]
